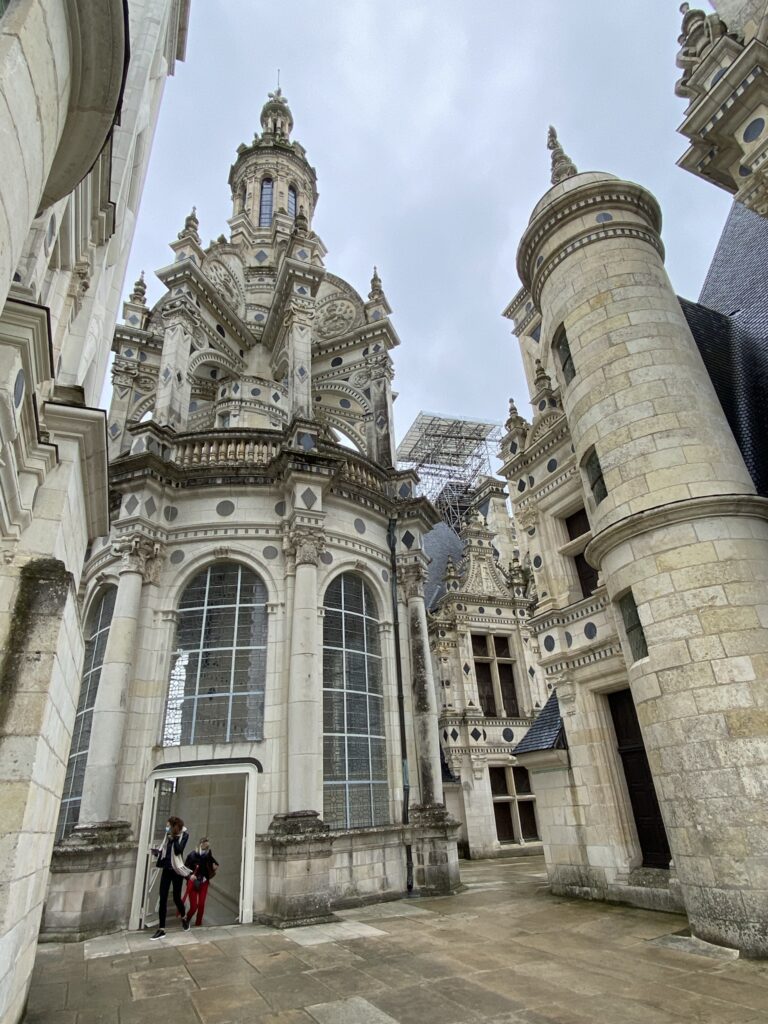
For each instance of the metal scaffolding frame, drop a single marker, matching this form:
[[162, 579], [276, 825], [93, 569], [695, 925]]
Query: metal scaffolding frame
[[450, 455]]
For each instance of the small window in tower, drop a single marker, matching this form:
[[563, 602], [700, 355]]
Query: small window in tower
[[291, 201], [633, 627], [563, 349], [265, 206], [594, 473]]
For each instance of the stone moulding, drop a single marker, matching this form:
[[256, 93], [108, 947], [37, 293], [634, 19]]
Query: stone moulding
[[684, 511]]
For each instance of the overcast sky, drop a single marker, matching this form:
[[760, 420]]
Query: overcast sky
[[426, 121]]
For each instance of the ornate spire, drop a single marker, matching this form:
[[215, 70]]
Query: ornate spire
[[139, 293], [191, 225], [276, 116], [562, 165], [376, 289]]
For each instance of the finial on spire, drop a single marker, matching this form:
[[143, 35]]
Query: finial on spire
[[376, 291], [139, 293], [191, 225], [542, 378], [562, 165]]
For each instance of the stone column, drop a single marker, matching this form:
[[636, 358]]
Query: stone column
[[380, 431], [123, 378], [423, 694], [139, 559], [173, 388], [677, 533], [305, 691], [298, 345]]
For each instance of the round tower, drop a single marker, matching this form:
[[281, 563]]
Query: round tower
[[272, 175], [679, 536]]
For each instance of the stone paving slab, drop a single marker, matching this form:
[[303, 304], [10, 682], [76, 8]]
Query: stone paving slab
[[504, 951]]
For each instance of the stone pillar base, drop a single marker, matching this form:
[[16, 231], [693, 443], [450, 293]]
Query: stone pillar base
[[298, 871], [435, 855], [91, 882]]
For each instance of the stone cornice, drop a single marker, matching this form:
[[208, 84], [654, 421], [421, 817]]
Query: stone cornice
[[571, 206], [670, 515]]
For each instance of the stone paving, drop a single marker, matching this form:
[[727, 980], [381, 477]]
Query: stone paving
[[503, 951]]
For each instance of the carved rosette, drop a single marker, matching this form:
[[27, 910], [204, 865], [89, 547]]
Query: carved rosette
[[139, 554], [306, 546]]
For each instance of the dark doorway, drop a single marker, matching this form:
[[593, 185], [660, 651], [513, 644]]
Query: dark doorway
[[637, 771]]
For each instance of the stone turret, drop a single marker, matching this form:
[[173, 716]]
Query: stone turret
[[679, 537]]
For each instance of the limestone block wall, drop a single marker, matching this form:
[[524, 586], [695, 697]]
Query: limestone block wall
[[679, 528], [366, 866]]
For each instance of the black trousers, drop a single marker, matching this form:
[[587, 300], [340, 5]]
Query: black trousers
[[167, 879]]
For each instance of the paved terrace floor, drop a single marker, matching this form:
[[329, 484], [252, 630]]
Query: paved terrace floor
[[504, 951]]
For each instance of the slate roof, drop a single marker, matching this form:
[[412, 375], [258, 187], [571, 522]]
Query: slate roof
[[546, 733], [730, 326], [441, 543]]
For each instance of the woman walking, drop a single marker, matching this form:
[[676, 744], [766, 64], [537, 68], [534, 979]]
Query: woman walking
[[171, 863], [203, 866]]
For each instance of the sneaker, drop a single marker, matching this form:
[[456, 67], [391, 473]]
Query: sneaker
[[185, 923], [159, 934]]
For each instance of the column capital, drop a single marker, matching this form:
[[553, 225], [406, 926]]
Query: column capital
[[139, 554], [306, 545], [411, 579]]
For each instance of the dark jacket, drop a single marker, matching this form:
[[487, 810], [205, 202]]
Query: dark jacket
[[200, 863], [176, 843]]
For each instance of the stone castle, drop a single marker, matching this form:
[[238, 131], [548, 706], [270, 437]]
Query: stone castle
[[226, 601]]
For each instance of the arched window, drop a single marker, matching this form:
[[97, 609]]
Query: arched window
[[216, 692], [354, 745], [291, 201], [265, 205], [96, 634]]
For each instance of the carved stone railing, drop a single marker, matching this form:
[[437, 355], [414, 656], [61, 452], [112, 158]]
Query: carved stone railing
[[218, 449]]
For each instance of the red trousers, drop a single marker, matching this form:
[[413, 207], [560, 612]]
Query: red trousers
[[196, 899]]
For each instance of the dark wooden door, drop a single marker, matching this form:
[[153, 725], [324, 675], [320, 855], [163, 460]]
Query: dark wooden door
[[637, 771], [505, 832]]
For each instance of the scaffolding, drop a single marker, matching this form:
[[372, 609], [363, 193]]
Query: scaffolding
[[450, 455]]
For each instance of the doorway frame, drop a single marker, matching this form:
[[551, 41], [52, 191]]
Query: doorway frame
[[251, 769]]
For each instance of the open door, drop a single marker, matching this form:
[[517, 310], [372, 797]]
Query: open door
[[216, 802]]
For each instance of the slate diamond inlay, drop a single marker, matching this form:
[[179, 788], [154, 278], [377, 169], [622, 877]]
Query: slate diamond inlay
[[381, 421], [408, 539], [309, 497], [475, 734], [454, 734], [275, 396], [150, 506], [307, 442], [466, 669], [302, 254], [301, 373], [261, 256], [405, 490], [114, 430], [132, 504], [166, 373]]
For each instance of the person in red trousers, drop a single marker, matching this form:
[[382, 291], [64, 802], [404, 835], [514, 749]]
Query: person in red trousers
[[203, 865]]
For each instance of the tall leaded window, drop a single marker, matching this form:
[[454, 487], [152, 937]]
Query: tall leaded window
[[633, 627], [594, 472], [291, 201], [96, 634], [216, 691], [563, 350], [265, 203], [354, 745]]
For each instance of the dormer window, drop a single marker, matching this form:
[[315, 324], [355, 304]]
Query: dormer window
[[563, 349], [292, 201], [265, 204]]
